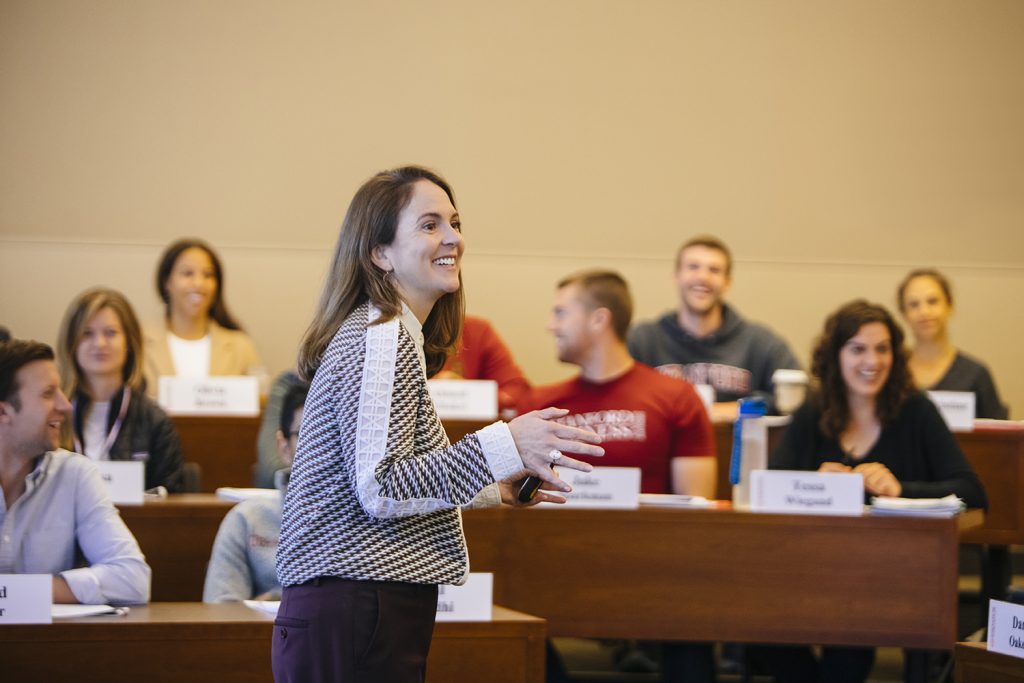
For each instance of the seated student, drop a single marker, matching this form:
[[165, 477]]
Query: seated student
[[100, 356], [268, 455], [646, 420], [242, 565], [482, 354], [866, 417], [198, 337], [705, 340], [926, 302], [54, 507]]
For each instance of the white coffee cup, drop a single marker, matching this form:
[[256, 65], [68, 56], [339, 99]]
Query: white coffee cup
[[790, 389]]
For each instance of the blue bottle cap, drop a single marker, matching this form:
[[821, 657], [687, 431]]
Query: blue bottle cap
[[753, 407]]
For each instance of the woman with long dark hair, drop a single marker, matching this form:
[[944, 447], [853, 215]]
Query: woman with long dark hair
[[198, 337], [371, 522], [866, 417]]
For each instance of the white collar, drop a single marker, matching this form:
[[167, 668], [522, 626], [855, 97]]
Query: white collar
[[415, 329]]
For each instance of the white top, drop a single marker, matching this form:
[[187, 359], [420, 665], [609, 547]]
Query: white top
[[94, 431], [191, 356]]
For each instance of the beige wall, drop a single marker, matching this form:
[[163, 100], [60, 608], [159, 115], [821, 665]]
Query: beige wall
[[833, 145]]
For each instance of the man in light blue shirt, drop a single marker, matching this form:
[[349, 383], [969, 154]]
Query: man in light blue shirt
[[52, 502]]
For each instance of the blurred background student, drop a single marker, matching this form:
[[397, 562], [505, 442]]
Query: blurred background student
[[100, 355], [926, 302], [481, 354], [198, 337], [242, 563]]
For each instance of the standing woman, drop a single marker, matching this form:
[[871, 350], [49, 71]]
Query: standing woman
[[100, 355], [371, 522], [926, 303], [198, 337], [866, 417]]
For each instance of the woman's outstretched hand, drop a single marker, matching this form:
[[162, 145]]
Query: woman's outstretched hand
[[543, 443]]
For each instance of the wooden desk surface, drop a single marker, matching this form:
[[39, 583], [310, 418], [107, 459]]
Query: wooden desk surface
[[658, 573], [203, 643], [975, 664]]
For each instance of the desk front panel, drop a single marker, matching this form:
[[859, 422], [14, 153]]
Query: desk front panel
[[231, 644], [720, 575], [176, 536], [975, 664], [224, 447]]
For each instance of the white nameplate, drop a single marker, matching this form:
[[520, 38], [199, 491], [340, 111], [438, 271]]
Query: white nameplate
[[125, 480], [706, 392], [464, 399], [811, 493], [604, 487], [957, 408], [210, 395], [471, 601], [1006, 628], [26, 598]]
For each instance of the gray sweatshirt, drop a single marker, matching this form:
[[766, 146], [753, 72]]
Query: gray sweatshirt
[[243, 562], [738, 359]]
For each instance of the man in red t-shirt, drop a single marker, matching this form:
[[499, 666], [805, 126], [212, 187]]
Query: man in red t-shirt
[[646, 419]]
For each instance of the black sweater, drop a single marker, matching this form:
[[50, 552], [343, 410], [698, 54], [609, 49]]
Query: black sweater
[[916, 447]]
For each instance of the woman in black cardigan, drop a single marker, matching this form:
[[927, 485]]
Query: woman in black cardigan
[[866, 417], [100, 355]]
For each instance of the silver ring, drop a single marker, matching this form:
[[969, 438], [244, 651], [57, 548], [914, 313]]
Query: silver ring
[[555, 455]]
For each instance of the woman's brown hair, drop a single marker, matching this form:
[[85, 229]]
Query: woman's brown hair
[[840, 327], [353, 278]]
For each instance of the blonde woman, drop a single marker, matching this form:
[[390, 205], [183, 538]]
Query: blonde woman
[[100, 356]]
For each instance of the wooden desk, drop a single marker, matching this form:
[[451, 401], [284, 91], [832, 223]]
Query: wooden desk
[[975, 664], [176, 536], [997, 455], [668, 574], [230, 643], [225, 447]]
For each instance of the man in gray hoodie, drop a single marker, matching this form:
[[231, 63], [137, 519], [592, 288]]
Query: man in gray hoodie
[[705, 340]]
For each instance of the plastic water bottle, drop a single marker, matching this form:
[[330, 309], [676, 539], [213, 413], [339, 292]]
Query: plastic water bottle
[[749, 448]]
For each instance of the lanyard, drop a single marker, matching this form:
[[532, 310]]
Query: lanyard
[[114, 430]]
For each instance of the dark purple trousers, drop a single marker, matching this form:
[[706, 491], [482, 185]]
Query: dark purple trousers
[[332, 629]]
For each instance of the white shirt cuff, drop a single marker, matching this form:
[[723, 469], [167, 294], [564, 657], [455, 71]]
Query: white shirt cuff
[[84, 585], [500, 450]]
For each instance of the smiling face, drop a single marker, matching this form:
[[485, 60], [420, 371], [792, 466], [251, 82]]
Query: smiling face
[[425, 257], [926, 308], [35, 426], [702, 277], [192, 284], [865, 361], [103, 348]]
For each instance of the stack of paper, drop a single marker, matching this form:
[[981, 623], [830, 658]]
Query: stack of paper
[[61, 611], [675, 500], [268, 606], [917, 507], [240, 494]]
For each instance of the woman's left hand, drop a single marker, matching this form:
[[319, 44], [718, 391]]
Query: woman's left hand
[[878, 479], [510, 493]]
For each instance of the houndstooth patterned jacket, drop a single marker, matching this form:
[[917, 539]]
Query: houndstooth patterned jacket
[[376, 485]]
